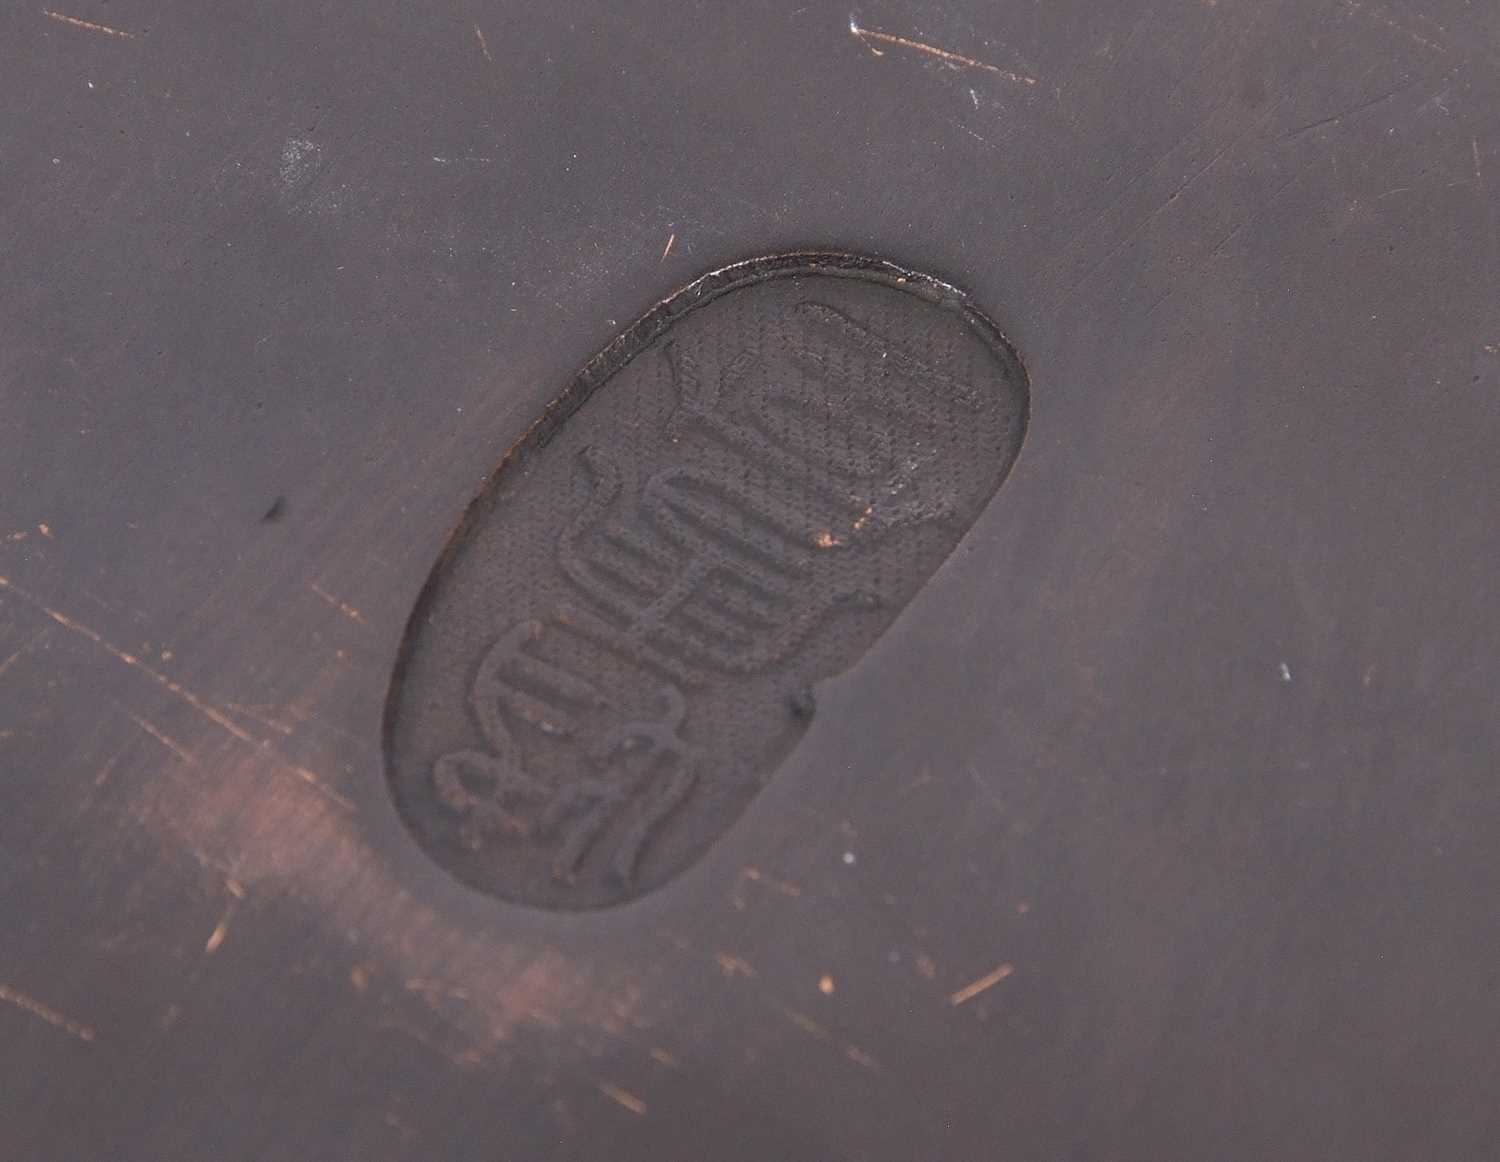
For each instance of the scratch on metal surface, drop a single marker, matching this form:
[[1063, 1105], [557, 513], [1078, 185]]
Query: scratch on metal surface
[[1335, 118], [182, 692], [806, 1024], [623, 1097], [752, 874], [167, 741], [1380, 17], [988, 981], [176, 689], [221, 930], [87, 24], [26, 648], [35, 1007], [857, 1055], [483, 46], [869, 37], [343, 607], [668, 248], [260, 716]]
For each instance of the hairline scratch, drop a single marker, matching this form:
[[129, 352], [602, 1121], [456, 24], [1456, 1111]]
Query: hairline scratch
[[988, 981], [178, 691], [866, 35], [87, 24], [44, 1012]]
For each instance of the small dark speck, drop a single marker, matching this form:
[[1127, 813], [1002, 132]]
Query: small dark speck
[[802, 702], [276, 511]]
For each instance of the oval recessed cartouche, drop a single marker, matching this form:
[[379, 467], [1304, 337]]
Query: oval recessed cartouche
[[730, 504]]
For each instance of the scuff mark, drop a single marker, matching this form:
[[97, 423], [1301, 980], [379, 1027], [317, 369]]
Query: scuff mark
[[35, 1007], [666, 250], [483, 46], [733, 966], [87, 24], [298, 157], [956, 60]]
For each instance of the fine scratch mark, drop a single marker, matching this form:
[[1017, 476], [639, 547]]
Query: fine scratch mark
[[342, 606], [260, 716], [1335, 118], [26, 648], [483, 47], [866, 35], [1478, 177], [182, 692], [88, 24], [806, 1024], [623, 1097], [755, 876], [1235, 233], [857, 1055], [1380, 17], [51, 1016], [988, 981], [105, 771], [668, 248], [171, 744], [1136, 230], [216, 937], [177, 690]]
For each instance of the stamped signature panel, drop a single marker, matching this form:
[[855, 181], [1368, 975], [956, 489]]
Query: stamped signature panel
[[732, 502]]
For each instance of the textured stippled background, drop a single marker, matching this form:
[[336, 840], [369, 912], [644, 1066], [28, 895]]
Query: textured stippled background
[[1221, 789]]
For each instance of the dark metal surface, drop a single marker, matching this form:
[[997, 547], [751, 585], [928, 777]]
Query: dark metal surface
[[1160, 824]]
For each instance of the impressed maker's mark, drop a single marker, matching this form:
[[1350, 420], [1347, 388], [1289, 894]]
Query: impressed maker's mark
[[731, 503]]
